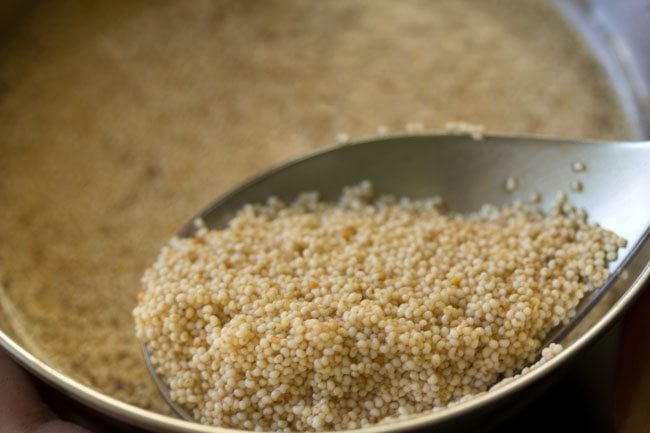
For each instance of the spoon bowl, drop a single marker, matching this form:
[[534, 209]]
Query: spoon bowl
[[610, 180]]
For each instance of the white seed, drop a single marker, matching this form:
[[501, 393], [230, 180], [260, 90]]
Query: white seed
[[414, 127], [579, 166], [577, 186], [535, 198], [465, 128], [511, 184], [342, 138], [382, 130]]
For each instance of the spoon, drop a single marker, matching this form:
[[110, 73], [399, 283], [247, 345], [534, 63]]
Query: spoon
[[611, 180]]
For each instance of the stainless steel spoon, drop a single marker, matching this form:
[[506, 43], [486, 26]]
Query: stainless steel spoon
[[468, 173]]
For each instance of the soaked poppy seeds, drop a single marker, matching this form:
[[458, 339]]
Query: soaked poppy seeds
[[319, 316]]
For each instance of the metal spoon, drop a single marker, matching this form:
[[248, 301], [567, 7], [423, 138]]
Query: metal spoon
[[468, 173]]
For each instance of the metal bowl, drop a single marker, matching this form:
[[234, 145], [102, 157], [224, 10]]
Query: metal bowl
[[617, 35]]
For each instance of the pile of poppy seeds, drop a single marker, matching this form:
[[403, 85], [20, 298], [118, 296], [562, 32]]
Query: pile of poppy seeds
[[315, 316]]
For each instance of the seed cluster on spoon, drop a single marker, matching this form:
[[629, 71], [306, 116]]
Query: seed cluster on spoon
[[327, 316]]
